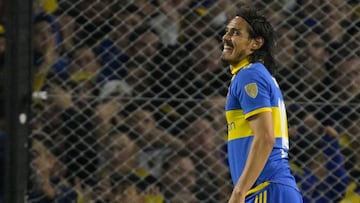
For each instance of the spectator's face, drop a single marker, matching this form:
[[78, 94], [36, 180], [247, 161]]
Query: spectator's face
[[316, 48], [181, 174], [216, 106], [142, 121], [201, 137], [286, 48], [84, 60], [147, 44], [237, 42], [336, 10], [126, 24], [184, 196], [42, 36], [43, 161], [350, 75], [206, 56], [122, 150]]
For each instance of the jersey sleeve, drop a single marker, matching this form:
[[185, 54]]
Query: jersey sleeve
[[253, 92]]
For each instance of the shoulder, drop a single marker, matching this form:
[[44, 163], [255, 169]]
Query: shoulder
[[255, 72]]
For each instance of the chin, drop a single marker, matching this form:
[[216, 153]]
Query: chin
[[225, 59]]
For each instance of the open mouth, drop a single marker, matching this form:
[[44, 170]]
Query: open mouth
[[227, 48]]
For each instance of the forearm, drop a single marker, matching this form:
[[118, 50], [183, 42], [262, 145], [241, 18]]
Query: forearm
[[258, 155]]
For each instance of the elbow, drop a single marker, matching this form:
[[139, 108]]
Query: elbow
[[269, 140]]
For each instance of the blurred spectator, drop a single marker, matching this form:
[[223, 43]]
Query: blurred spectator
[[67, 27], [206, 145], [48, 183], [46, 41], [287, 73], [350, 140], [348, 80], [196, 28], [336, 22], [154, 141], [314, 70], [352, 39], [321, 164], [208, 75], [308, 12], [146, 43], [112, 102], [167, 20], [278, 12], [214, 107], [138, 77], [184, 196], [94, 20], [68, 122], [165, 65], [179, 177], [121, 167], [84, 64], [126, 21], [113, 49]]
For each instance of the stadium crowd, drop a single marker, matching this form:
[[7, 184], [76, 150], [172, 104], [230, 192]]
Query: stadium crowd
[[136, 96]]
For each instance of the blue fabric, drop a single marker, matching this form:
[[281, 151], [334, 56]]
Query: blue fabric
[[240, 102], [275, 193], [333, 187], [112, 61]]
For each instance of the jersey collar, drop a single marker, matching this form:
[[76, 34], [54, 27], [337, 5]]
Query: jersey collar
[[240, 65]]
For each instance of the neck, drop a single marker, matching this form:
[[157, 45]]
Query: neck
[[234, 68]]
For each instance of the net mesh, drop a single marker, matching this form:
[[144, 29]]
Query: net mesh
[[129, 97]]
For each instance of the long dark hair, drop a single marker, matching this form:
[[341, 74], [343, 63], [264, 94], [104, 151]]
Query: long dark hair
[[260, 27]]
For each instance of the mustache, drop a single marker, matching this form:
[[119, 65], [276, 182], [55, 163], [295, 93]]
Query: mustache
[[228, 44]]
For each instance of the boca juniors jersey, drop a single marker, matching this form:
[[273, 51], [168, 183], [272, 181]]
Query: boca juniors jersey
[[253, 90]]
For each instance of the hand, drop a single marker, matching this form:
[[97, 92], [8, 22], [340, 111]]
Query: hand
[[236, 197], [62, 97], [331, 131], [152, 195]]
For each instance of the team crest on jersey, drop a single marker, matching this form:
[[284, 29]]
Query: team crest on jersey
[[252, 90]]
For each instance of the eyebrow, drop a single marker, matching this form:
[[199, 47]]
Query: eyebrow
[[227, 28]]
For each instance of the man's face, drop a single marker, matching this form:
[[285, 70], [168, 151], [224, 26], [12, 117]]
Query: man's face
[[236, 40], [42, 36]]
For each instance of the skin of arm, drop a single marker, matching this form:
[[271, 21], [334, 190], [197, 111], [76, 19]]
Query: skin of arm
[[262, 127]]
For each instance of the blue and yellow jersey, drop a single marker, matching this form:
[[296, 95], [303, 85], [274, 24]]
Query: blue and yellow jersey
[[253, 90]]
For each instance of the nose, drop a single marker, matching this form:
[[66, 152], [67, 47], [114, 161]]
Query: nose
[[226, 37]]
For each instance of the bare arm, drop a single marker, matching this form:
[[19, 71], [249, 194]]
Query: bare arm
[[262, 127]]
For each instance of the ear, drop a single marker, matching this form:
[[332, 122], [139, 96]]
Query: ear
[[257, 43]]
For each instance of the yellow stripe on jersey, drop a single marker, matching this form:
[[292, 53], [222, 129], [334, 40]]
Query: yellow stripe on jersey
[[257, 111], [258, 188], [238, 126], [261, 197], [265, 196]]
